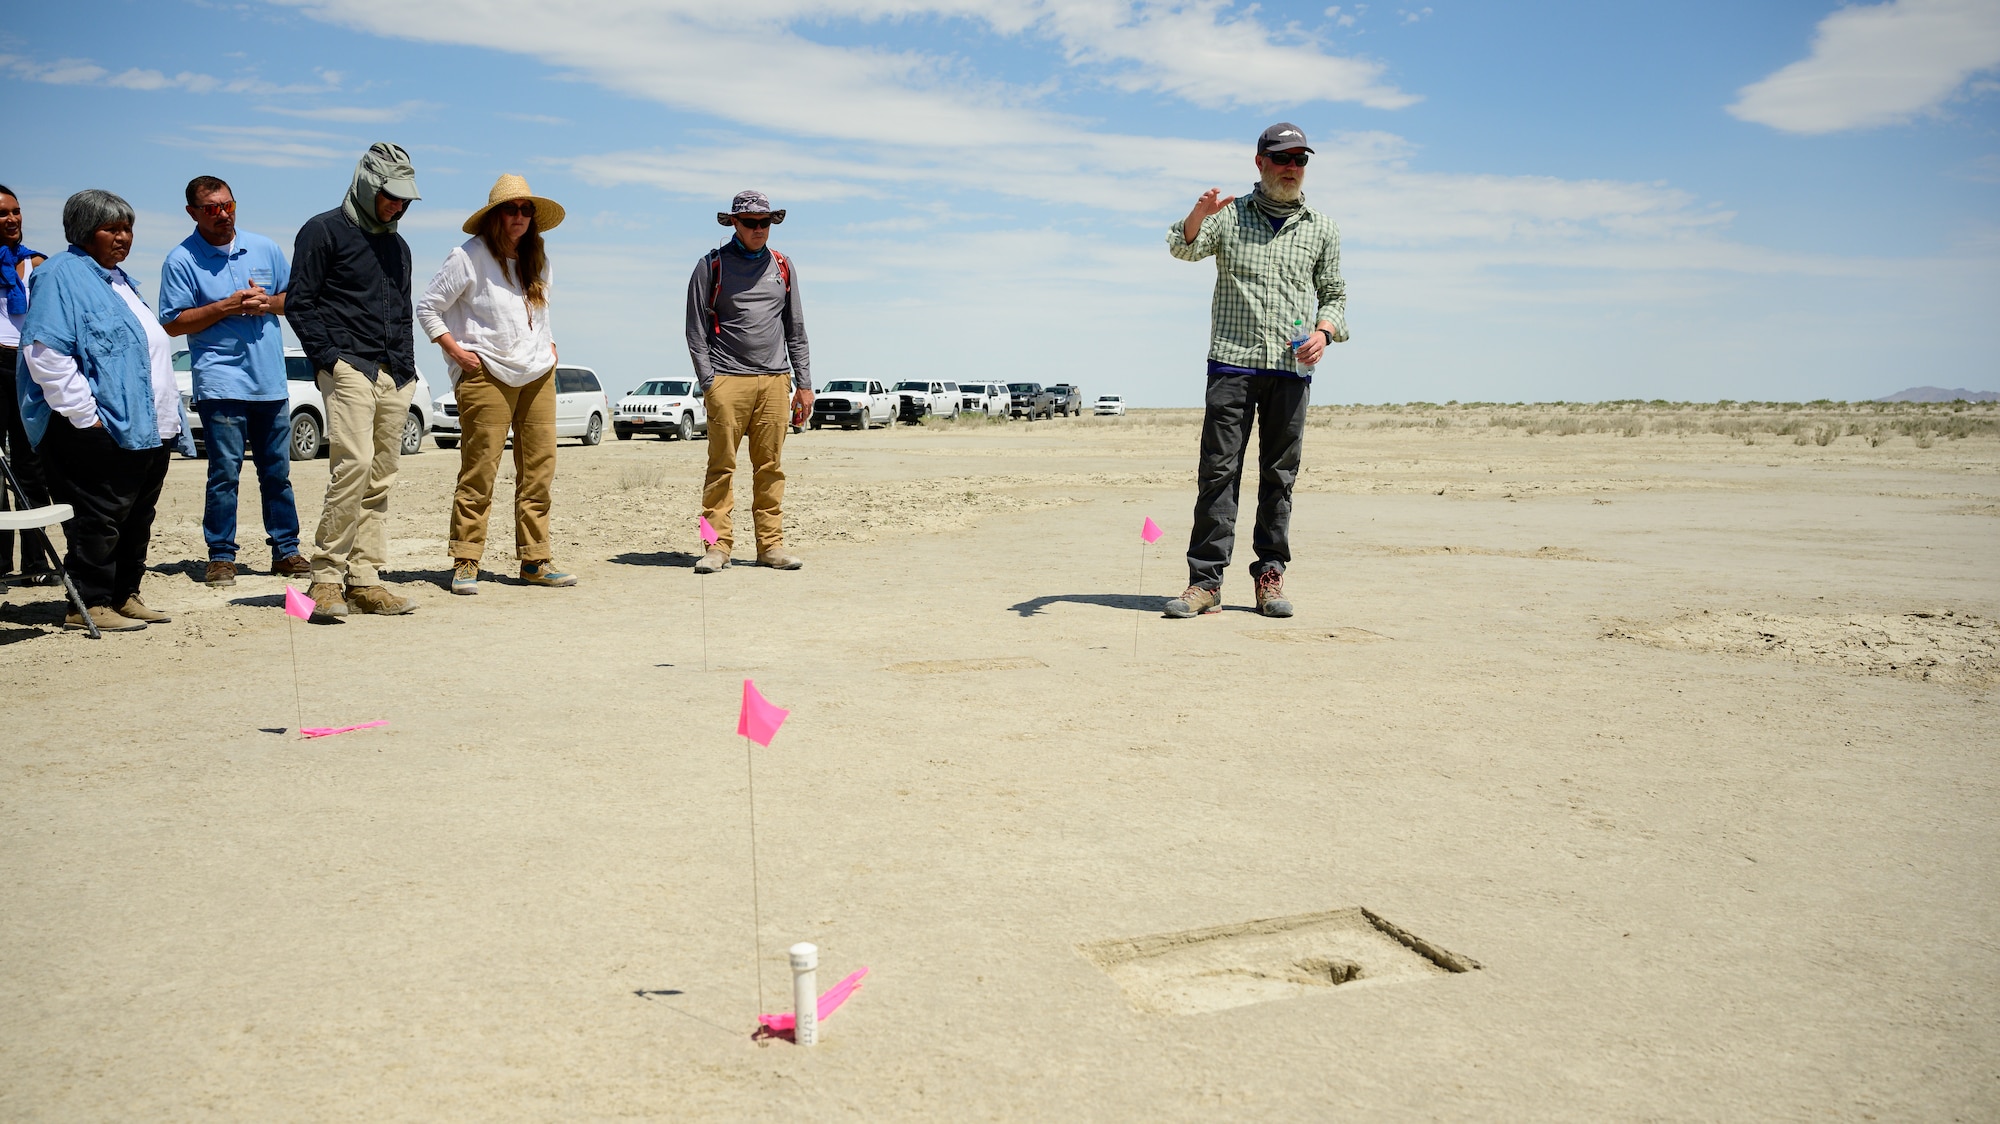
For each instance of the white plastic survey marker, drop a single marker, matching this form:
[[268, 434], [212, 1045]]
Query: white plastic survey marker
[[805, 994]]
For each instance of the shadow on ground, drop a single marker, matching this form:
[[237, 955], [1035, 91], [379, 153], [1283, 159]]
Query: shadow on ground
[[1127, 601], [677, 559]]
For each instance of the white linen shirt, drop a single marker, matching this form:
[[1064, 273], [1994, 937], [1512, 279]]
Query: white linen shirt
[[488, 314], [68, 393]]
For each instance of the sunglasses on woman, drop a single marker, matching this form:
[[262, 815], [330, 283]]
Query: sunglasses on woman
[[517, 210], [1286, 159], [755, 224]]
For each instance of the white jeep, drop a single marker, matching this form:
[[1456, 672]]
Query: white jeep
[[853, 404], [917, 399], [669, 407]]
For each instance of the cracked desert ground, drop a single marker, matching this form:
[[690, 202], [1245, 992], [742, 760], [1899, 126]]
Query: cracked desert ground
[[1686, 739]]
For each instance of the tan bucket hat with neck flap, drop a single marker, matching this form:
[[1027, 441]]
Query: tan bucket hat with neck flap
[[506, 189]]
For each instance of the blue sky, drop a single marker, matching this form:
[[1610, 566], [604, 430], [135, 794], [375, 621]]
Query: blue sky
[[1557, 200]]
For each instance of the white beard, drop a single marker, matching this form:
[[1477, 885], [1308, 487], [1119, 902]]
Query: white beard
[[1277, 191]]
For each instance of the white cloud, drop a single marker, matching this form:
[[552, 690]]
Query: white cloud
[[84, 72], [269, 146], [1877, 65], [352, 114]]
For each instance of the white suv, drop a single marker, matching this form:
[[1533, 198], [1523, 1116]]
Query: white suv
[[309, 408], [581, 409], [853, 404], [989, 398], [1110, 405], [915, 400], [672, 408]]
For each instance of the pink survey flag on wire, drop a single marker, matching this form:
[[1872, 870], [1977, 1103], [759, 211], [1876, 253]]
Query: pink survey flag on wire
[[298, 604], [329, 731], [828, 1003], [759, 720], [1151, 531], [708, 534]]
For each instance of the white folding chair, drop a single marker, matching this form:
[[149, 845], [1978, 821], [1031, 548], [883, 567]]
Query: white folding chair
[[36, 519]]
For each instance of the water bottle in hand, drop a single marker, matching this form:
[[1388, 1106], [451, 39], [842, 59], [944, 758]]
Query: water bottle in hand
[[1300, 334]]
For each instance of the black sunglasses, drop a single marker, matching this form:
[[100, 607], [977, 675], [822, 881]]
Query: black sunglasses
[[1282, 159], [755, 224]]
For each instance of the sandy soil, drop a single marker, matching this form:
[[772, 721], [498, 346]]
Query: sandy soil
[[1687, 743]]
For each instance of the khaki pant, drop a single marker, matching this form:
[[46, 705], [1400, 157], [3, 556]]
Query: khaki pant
[[760, 405], [486, 407], [364, 427]]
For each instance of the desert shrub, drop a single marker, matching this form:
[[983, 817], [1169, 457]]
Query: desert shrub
[[1633, 427], [1824, 434]]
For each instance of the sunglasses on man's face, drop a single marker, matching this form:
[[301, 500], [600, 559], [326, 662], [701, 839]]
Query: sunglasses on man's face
[[754, 224], [216, 210], [517, 210], [395, 200], [1285, 159]]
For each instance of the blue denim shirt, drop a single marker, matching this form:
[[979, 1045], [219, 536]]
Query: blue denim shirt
[[237, 357], [73, 310]]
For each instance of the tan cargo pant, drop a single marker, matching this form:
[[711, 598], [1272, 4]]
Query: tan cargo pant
[[486, 407], [761, 406], [364, 427]]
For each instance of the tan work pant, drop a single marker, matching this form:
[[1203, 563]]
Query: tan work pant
[[364, 428], [761, 406], [486, 407]]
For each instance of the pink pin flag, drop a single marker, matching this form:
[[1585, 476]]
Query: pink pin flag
[[329, 731], [298, 604], [828, 1003], [708, 534], [759, 719], [1151, 531]]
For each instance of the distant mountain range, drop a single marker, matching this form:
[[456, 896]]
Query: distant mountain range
[[1940, 394]]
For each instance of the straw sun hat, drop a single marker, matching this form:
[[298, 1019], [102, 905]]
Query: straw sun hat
[[548, 212]]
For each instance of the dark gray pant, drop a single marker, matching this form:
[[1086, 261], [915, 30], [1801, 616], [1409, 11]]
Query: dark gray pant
[[1278, 406]]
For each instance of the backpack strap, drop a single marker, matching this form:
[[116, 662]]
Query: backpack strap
[[715, 282]]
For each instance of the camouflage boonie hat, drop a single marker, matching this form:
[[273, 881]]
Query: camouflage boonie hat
[[749, 203]]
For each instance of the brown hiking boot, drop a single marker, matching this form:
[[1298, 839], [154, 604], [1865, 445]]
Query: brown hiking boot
[[328, 604], [779, 560], [711, 562], [292, 565], [135, 609], [378, 600], [1196, 601], [106, 619], [1271, 595], [220, 574]]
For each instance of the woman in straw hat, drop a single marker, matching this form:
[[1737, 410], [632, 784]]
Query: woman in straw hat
[[488, 309]]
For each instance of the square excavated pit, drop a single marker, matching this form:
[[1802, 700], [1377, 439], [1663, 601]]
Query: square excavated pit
[[1200, 970]]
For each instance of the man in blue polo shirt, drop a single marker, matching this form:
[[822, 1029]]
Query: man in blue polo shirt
[[224, 289]]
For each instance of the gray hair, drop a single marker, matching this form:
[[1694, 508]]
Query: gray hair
[[91, 210]]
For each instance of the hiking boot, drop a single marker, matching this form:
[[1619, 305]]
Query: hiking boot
[[545, 573], [711, 562], [1271, 595], [221, 573], [293, 565], [378, 600], [327, 601], [135, 609], [465, 576], [106, 619], [779, 560], [1196, 601]]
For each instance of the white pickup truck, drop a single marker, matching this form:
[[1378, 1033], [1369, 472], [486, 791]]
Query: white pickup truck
[[916, 399], [672, 408], [854, 404]]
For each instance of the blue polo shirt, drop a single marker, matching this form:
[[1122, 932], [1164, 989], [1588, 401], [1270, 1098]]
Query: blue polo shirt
[[238, 357]]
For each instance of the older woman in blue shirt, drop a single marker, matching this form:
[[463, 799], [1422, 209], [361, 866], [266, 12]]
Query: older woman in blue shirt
[[96, 384]]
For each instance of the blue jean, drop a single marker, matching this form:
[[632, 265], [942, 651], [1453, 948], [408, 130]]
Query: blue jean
[[229, 426]]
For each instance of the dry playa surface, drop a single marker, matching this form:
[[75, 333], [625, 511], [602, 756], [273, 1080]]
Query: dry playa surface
[[1607, 772]]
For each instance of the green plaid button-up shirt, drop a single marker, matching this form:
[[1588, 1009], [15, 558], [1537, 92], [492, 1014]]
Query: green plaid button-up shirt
[[1266, 279]]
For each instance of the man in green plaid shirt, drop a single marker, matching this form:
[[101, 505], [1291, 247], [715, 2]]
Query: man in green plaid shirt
[[1279, 302]]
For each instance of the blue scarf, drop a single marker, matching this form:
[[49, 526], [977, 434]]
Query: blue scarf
[[10, 278]]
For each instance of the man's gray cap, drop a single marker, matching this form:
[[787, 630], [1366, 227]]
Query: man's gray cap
[[1280, 137], [749, 203]]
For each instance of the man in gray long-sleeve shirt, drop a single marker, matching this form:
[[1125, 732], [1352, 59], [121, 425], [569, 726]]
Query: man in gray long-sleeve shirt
[[746, 333]]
